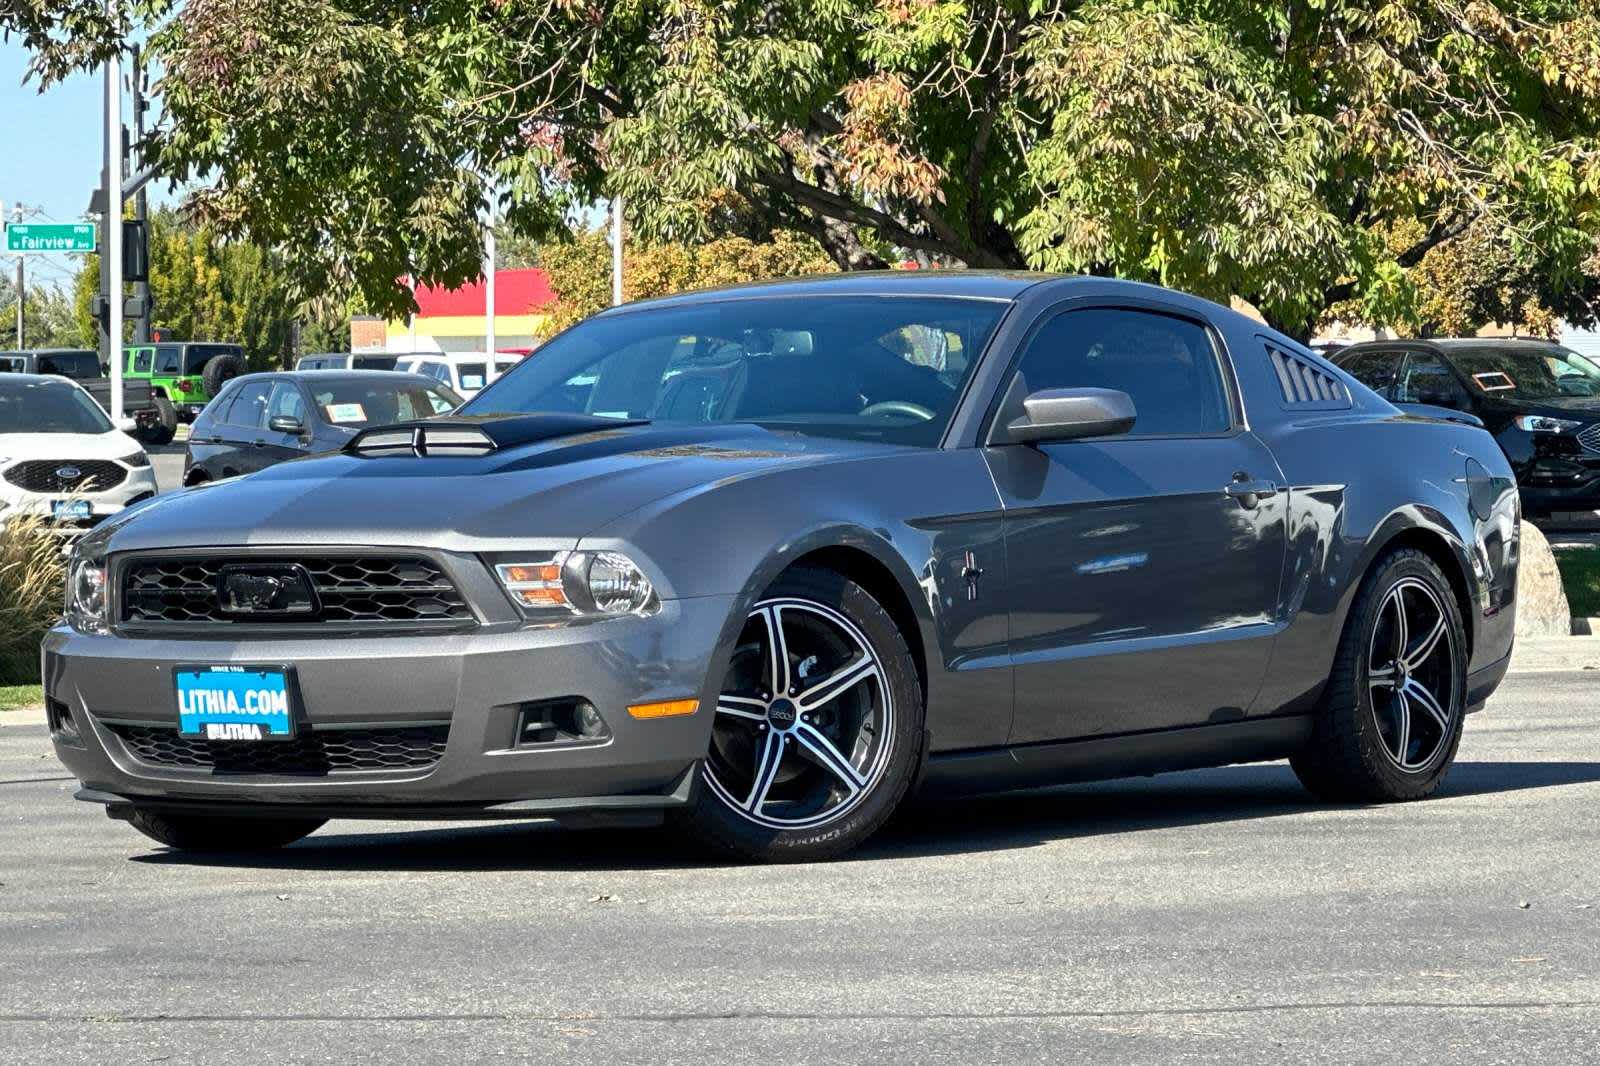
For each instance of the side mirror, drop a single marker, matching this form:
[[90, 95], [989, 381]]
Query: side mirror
[[1069, 414], [127, 425], [1438, 398], [286, 424]]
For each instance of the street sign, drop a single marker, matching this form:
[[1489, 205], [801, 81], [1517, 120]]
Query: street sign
[[50, 237]]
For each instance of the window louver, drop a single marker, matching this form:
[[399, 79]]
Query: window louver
[[1305, 384]]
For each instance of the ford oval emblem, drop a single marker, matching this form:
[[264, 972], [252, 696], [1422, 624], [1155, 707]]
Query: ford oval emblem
[[68, 473]]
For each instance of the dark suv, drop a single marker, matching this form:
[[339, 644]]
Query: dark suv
[[1540, 400]]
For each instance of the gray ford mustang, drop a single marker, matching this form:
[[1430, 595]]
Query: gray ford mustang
[[763, 561]]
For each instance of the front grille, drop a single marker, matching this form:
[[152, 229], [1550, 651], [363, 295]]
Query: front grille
[[1589, 437], [368, 591], [330, 751], [45, 475]]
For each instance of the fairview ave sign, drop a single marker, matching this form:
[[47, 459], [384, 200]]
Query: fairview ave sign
[[50, 237]]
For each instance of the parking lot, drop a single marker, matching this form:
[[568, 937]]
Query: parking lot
[[1212, 916]]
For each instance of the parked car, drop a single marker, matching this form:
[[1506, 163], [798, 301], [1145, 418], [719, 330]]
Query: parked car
[[347, 361], [763, 560], [187, 374], [150, 418], [465, 372], [262, 419], [1540, 400], [61, 457]]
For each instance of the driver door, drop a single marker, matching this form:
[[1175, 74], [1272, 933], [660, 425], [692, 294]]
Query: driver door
[[1143, 583]]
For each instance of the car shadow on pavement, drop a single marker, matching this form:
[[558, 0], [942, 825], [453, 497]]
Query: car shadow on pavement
[[927, 827]]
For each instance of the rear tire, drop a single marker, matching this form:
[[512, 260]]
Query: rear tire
[[166, 424], [190, 832], [220, 370], [809, 758], [1390, 722]]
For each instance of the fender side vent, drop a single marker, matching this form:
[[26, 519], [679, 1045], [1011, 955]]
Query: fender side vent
[[1306, 385]]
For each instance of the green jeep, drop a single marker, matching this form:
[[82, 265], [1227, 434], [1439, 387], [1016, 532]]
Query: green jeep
[[184, 375]]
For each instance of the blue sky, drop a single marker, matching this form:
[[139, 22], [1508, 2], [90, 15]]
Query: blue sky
[[49, 150]]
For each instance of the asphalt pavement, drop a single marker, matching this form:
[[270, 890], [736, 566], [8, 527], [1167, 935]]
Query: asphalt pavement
[[1214, 916], [167, 461]]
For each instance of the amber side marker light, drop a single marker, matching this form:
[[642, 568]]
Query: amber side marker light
[[667, 709]]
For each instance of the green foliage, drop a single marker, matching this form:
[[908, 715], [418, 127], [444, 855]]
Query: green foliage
[[32, 576], [1271, 151], [47, 316], [580, 269], [209, 288]]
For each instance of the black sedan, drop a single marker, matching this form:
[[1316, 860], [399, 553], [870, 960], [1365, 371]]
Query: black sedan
[[1540, 400], [262, 419], [765, 560]]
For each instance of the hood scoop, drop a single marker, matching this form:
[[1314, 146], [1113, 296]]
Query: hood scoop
[[467, 435]]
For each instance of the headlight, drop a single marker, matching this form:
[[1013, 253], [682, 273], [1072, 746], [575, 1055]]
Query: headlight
[[587, 584], [86, 593], [1545, 424], [138, 458]]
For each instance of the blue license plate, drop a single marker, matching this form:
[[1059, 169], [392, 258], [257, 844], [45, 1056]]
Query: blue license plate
[[71, 508], [243, 703]]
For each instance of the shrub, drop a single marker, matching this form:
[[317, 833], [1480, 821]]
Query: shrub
[[32, 581]]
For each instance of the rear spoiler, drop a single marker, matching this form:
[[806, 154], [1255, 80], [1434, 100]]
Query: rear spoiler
[[1443, 414], [475, 435]]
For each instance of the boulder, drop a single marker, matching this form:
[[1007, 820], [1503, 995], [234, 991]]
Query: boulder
[[1541, 601]]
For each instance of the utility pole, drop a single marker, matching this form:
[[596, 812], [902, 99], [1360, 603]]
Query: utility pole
[[141, 202], [488, 285], [616, 250], [22, 282], [111, 221]]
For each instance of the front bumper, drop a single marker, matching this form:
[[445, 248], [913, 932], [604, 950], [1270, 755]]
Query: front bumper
[[479, 683], [139, 484]]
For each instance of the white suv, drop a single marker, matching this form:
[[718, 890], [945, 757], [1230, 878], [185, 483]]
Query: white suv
[[60, 455], [465, 372]]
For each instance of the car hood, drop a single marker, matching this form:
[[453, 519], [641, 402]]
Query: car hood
[[547, 493], [112, 444]]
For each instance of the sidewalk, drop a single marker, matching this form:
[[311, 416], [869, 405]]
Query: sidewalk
[[1555, 653]]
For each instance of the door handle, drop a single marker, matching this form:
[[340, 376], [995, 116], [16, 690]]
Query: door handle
[[1248, 491]]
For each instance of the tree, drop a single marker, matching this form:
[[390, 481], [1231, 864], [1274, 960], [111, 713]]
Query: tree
[[580, 270], [1267, 150], [47, 319], [208, 288]]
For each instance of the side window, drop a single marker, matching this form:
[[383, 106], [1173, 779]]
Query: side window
[[1166, 364], [472, 375], [1376, 370], [1428, 380], [249, 409], [141, 360], [167, 360], [216, 411], [286, 401], [437, 371]]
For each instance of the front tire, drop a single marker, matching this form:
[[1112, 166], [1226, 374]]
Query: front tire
[[188, 832], [1390, 719], [818, 730]]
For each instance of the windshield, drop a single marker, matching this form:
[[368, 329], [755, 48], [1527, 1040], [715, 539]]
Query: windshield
[[358, 404], [1529, 373], [49, 407], [864, 368]]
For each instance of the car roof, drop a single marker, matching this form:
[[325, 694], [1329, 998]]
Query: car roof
[[972, 284], [38, 379], [1456, 344], [336, 374]]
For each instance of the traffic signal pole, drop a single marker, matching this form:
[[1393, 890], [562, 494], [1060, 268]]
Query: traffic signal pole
[[111, 223]]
